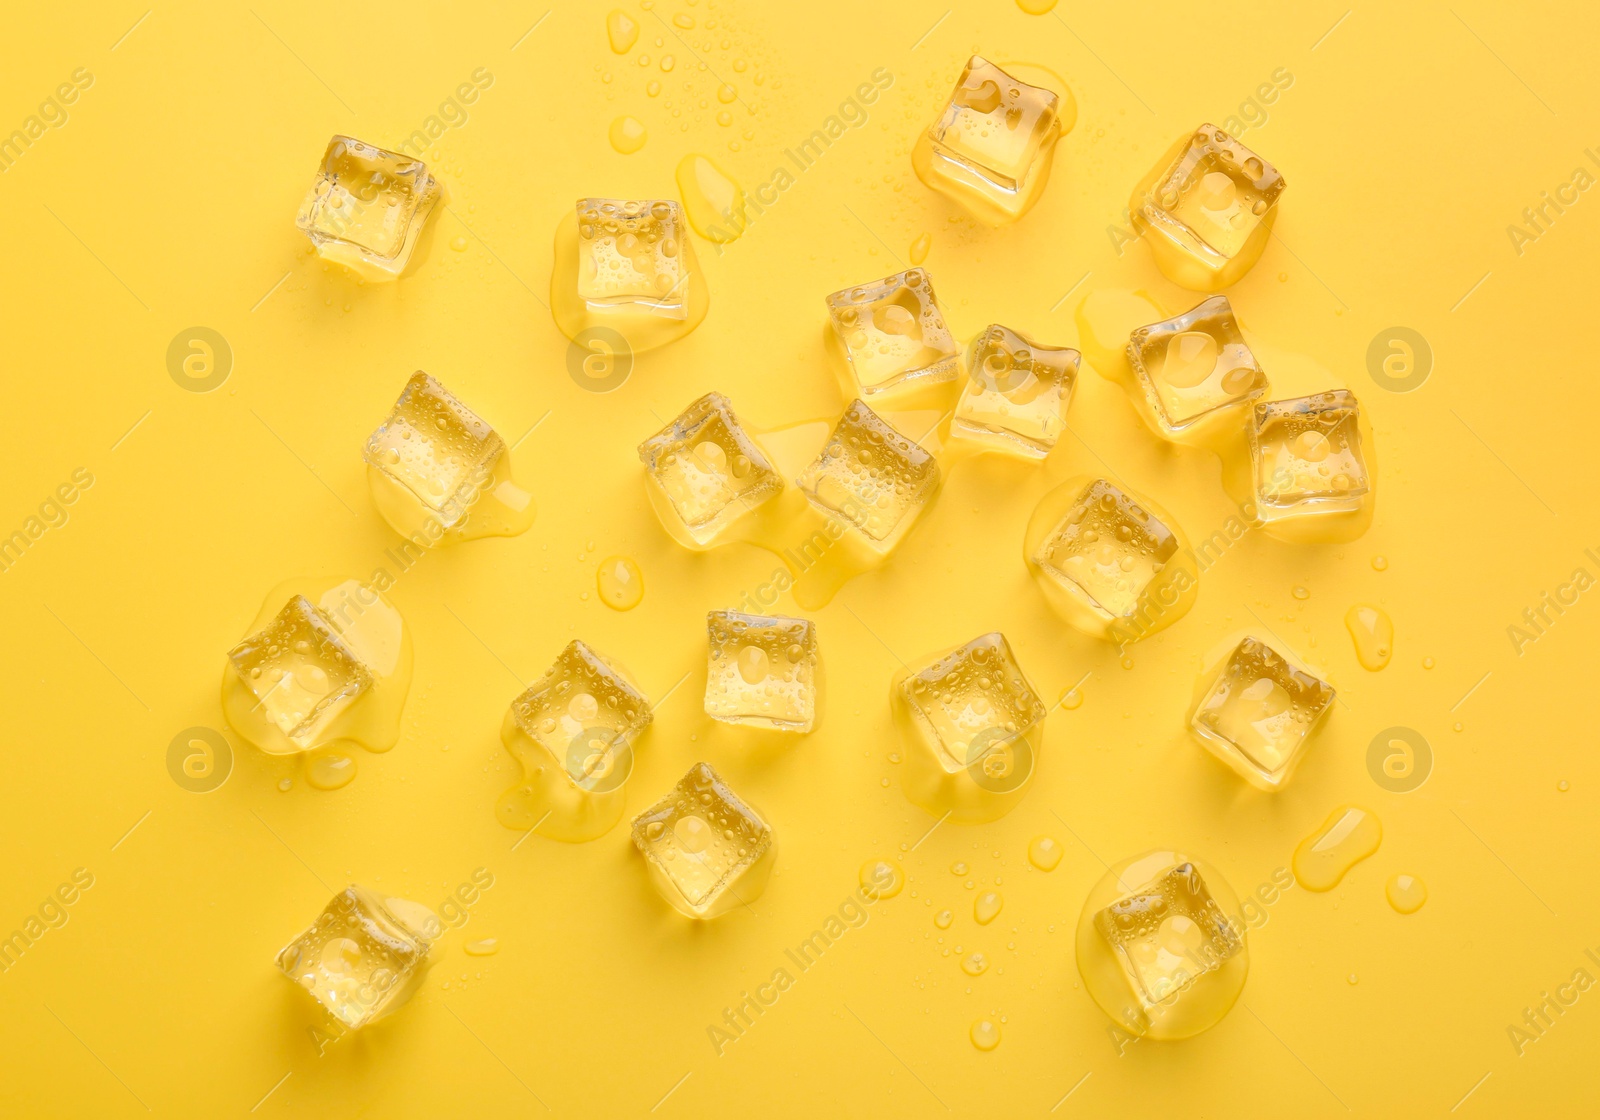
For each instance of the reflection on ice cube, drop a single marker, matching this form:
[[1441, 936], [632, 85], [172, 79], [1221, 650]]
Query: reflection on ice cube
[[891, 336], [1306, 455], [1168, 934], [762, 670], [367, 207], [361, 959], [437, 448], [707, 849], [302, 673], [871, 477], [1258, 712], [1194, 365], [1017, 392], [709, 471]]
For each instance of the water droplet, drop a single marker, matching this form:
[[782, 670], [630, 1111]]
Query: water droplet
[[1300, 593], [1563, 785], [958, 868], [881, 879], [628, 135], [621, 583], [1406, 893], [985, 1033], [1353, 979], [285, 784], [1380, 563], [986, 907], [1071, 699], [712, 199], [458, 243], [1373, 634], [975, 965], [1347, 837], [483, 947], [920, 247], [1044, 852], [622, 29], [330, 769], [943, 919]]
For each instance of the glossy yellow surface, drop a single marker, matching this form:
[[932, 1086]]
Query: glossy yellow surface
[[162, 198]]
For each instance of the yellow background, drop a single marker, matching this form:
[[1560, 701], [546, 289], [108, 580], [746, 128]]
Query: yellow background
[[1412, 135]]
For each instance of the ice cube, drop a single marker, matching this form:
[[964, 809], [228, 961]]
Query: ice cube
[[359, 959], [586, 714], [707, 850], [630, 256], [1305, 455], [301, 672], [437, 448], [993, 144], [762, 670], [974, 710], [1258, 713], [368, 206], [1193, 365], [893, 335], [708, 469], [1207, 209], [872, 477], [1168, 934], [1107, 550], [1017, 392]]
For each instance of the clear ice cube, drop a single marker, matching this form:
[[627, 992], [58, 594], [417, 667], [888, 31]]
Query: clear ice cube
[[437, 448], [762, 670], [1017, 392], [1107, 550], [708, 468], [301, 672], [358, 959], [1193, 364], [368, 206], [1258, 713], [586, 713], [1168, 934], [630, 256], [872, 477], [1305, 455], [1208, 209], [995, 137], [893, 334], [707, 850], [974, 706]]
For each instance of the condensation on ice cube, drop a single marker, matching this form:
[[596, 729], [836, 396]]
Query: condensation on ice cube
[[975, 710], [1258, 712], [707, 849], [630, 255], [709, 470], [368, 206], [301, 672], [360, 959], [1109, 548], [893, 336], [1306, 455], [437, 448], [762, 670], [871, 477], [1207, 209], [586, 713], [1168, 934], [1193, 365], [1017, 392]]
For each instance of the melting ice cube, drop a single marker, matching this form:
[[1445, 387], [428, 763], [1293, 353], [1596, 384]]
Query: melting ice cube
[[1017, 392], [1258, 713], [301, 672], [893, 334], [709, 470], [708, 851], [762, 670], [1194, 364], [359, 959], [437, 448], [872, 477], [368, 206]]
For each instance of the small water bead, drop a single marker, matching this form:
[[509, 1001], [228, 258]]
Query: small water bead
[[620, 582], [1563, 785], [986, 907], [881, 878], [1044, 852], [958, 868], [330, 769], [975, 965], [1353, 979], [920, 247], [1373, 634], [943, 919], [1380, 563], [459, 244], [1406, 893], [627, 135], [622, 30], [483, 947], [1071, 699], [985, 1033], [285, 784], [1300, 593], [1427, 662]]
